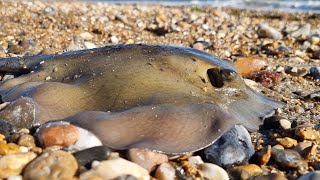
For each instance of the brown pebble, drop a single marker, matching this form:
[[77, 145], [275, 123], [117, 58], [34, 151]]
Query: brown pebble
[[264, 155], [307, 133], [253, 169], [26, 140], [60, 135], [287, 142], [249, 65]]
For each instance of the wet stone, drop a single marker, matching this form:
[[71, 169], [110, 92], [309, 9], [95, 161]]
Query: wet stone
[[7, 128], [87, 156], [315, 175], [235, 143], [146, 159], [287, 158], [53, 165]]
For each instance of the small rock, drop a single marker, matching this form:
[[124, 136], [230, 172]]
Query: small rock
[[201, 45], [277, 146], [58, 135], [47, 51], [113, 168], [13, 164], [75, 46], [295, 71], [7, 76], [146, 159], [302, 146], [114, 40], [307, 133], [86, 36], [15, 49], [7, 128], [213, 172], [8, 148], [273, 122], [235, 143], [252, 169], [287, 142], [27, 43], [264, 155], [287, 158], [271, 176], [296, 60], [89, 45], [285, 124], [238, 174], [315, 72], [265, 31], [195, 160], [165, 172], [18, 177], [302, 32], [314, 39], [249, 65], [266, 78], [87, 156], [27, 140], [314, 175], [53, 165], [284, 50]]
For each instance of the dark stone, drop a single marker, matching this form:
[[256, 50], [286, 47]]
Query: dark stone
[[233, 148], [287, 158], [315, 72], [126, 177], [87, 156], [314, 175], [7, 128], [272, 122]]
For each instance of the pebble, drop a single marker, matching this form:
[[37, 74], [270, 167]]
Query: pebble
[[273, 122], [285, 124], [271, 176], [302, 146], [86, 36], [15, 49], [25, 105], [266, 31], [8, 148], [287, 157], [314, 175], [315, 73], [252, 169], [114, 40], [287, 142], [27, 43], [87, 156], [201, 45], [27, 141], [296, 60], [314, 39], [146, 159], [195, 160], [58, 135], [264, 155], [302, 32], [233, 148], [249, 65], [54, 165], [89, 45], [7, 76], [295, 71], [13, 164], [18, 177], [213, 172], [316, 54], [165, 171], [307, 133], [7, 128], [113, 168]]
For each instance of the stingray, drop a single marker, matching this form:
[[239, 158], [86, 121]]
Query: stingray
[[165, 98]]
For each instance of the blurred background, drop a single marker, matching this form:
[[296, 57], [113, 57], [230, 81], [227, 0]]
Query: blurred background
[[286, 5]]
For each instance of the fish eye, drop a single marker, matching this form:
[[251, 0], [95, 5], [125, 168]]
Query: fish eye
[[218, 76]]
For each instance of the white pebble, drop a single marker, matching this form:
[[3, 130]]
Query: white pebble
[[114, 40], [14, 177]]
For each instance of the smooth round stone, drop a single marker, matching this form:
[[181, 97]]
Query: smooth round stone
[[7, 128], [195, 160], [146, 159], [165, 171], [272, 122], [287, 158], [13, 164], [250, 168], [213, 172], [232, 148], [87, 156], [285, 124], [249, 65], [314, 175], [114, 168], [27, 140], [315, 71], [53, 165], [201, 45]]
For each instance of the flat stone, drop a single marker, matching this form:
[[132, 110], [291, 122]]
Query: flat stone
[[165, 171], [287, 142], [287, 158], [252, 169], [233, 148], [307, 133], [213, 172], [87, 156], [53, 165], [146, 159], [13, 164], [114, 168], [195, 160]]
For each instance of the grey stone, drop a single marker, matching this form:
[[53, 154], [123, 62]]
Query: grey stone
[[233, 148], [87, 156], [314, 175]]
